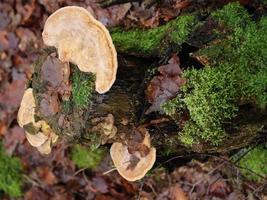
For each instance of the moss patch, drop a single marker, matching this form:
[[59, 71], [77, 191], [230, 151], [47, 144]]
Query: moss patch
[[82, 88], [85, 157], [255, 160], [151, 40], [10, 174], [235, 73]]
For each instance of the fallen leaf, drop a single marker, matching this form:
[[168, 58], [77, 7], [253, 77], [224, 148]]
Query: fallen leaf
[[100, 184], [27, 38], [176, 193], [53, 71], [219, 189], [13, 94], [166, 85], [14, 137], [46, 174], [36, 193], [49, 105]]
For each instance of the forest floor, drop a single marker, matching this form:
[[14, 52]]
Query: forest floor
[[55, 177]]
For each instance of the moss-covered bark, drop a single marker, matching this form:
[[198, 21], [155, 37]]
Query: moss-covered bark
[[233, 79], [224, 101], [157, 41]]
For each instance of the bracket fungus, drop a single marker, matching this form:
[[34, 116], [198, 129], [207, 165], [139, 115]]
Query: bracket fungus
[[38, 133], [133, 165], [84, 41]]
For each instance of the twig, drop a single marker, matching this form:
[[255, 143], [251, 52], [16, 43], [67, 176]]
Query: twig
[[30, 180], [80, 170], [140, 189], [155, 122], [108, 3], [111, 170], [202, 179]]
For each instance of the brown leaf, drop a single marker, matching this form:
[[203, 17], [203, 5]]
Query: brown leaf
[[176, 193], [46, 174], [166, 85], [53, 71], [219, 189], [4, 44], [49, 105], [50, 6], [181, 4], [13, 93], [27, 38], [100, 184], [111, 16], [4, 19], [25, 10], [14, 137], [103, 197], [36, 194], [56, 76]]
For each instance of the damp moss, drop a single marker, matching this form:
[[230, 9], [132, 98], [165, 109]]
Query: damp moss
[[85, 157], [254, 161], [235, 73], [152, 40], [10, 174], [82, 88]]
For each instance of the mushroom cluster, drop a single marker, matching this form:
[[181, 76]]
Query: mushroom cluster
[[39, 134], [133, 165], [105, 127], [84, 41]]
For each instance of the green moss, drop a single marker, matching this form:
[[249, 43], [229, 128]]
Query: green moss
[[245, 50], [82, 88], [233, 15], [149, 41], [173, 106], [236, 73], [66, 107], [182, 27], [10, 174], [86, 157], [255, 160]]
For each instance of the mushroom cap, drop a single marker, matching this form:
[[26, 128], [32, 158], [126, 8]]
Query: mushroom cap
[[84, 41], [27, 108], [121, 158], [45, 148], [37, 139], [42, 140]]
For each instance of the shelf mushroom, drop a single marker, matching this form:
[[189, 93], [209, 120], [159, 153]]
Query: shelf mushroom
[[44, 136], [134, 166], [84, 41]]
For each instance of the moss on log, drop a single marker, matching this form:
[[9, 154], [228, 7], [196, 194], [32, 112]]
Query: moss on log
[[157, 41], [233, 80], [225, 101]]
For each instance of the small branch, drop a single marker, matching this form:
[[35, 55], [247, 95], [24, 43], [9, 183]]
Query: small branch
[[108, 3], [111, 170], [202, 179], [80, 170]]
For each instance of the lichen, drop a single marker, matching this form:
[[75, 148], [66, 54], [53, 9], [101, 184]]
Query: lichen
[[235, 74], [85, 157], [151, 40], [10, 174]]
